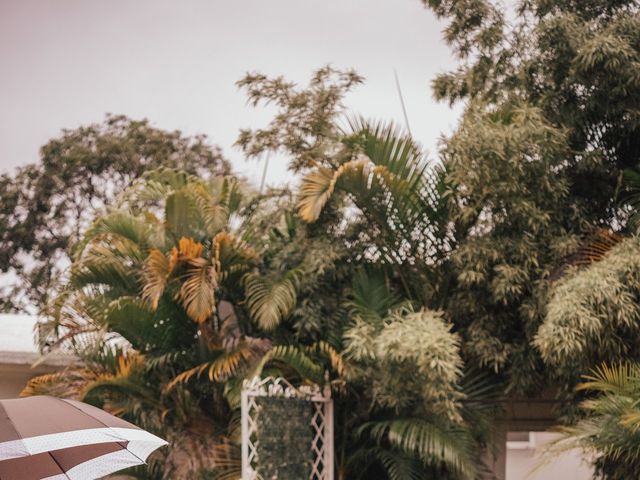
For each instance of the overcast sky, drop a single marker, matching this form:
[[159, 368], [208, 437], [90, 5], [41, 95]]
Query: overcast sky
[[65, 63]]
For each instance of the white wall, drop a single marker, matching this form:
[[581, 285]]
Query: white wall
[[17, 333], [528, 464]]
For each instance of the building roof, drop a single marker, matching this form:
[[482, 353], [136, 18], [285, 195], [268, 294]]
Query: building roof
[[18, 345]]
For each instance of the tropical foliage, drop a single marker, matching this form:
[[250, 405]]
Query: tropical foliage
[[187, 286], [610, 433], [592, 315], [383, 273]]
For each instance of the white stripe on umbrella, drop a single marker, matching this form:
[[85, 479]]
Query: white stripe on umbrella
[[141, 442]]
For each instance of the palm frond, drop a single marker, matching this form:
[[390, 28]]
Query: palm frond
[[148, 330], [429, 442], [631, 196], [318, 187], [214, 213], [197, 291], [155, 186], [610, 428], [227, 364], [233, 257], [36, 383], [180, 214], [229, 462], [398, 466], [324, 349], [294, 357], [612, 379], [271, 300], [101, 265], [118, 224], [591, 250], [156, 270], [372, 298], [393, 185]]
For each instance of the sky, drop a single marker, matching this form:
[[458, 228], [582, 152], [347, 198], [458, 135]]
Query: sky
[[66, 63]]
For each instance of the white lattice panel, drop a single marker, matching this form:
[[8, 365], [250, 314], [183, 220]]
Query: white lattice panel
[[321, 424]]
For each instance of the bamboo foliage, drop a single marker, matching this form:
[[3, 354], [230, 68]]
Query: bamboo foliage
[[588, 304], [423, 374]]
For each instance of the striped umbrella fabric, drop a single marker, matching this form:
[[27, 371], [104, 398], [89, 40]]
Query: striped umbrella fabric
[[86, 462], [51, 438]]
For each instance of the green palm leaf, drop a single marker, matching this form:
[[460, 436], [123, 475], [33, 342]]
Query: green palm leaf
[[398, 192], [429, 442], [294, 357], [271, 300]]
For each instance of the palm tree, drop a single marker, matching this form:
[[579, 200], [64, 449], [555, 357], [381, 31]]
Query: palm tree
[[147, 286], [401, 215], [610, 430]]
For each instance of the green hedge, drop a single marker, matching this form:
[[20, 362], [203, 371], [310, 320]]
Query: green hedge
[[284, 436]]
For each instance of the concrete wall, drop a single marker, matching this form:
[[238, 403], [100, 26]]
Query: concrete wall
[[12, 380], [16, 370]]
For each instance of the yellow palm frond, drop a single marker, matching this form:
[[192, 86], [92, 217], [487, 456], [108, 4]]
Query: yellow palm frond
[[185, 376], [231, 363], [334, 357], [631, 420], [224, 367], [197, 292], [189, 248], [41, 384], [69, 383], [610, 378], [155, 271], [318, 187], [127, 364]]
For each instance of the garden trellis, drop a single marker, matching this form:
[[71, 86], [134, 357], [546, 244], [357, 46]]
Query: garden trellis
[[279, 446]]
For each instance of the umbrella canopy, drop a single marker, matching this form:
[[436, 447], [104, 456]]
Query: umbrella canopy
[[53, 438], [75, 463]]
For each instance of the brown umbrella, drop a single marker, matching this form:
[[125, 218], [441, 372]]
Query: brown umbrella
[[85, 462], [55, 439]]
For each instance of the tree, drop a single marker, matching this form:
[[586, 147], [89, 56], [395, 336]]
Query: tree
[[576, 61], [45, 207], [546, 279], [536, 164], [593, 312], [305, 127]]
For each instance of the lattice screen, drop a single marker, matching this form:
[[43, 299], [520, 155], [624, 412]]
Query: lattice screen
[[319, 464]]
